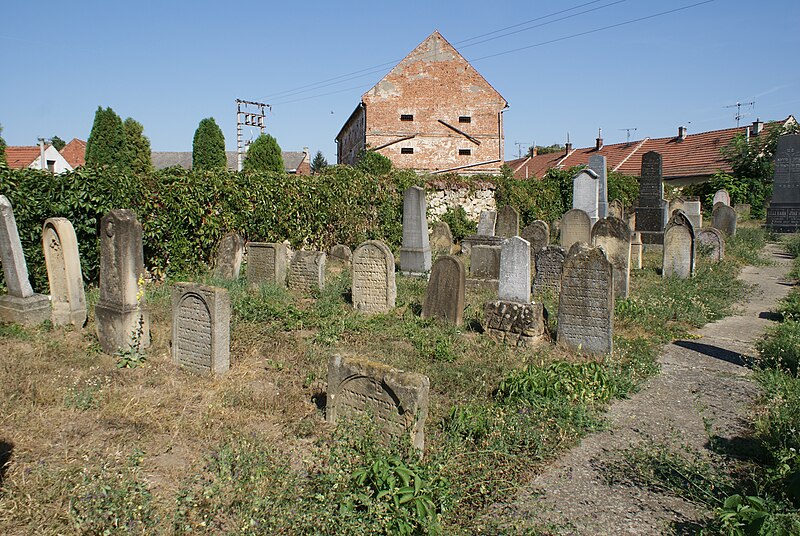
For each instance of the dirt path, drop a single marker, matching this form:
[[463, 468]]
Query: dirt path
[[702, 384]]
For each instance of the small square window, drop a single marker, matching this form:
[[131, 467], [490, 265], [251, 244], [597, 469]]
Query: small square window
[[406, 150], [464, 152], [465, 119], [406, 117]]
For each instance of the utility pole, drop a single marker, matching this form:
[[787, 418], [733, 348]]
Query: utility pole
[[520, 144], [249, 115], [738, 107]]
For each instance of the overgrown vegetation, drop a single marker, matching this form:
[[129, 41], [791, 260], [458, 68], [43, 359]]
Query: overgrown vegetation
[[208, 147], [264, 155]]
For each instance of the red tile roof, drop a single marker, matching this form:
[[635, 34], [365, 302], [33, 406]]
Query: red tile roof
[[74, 152], [21, 156]]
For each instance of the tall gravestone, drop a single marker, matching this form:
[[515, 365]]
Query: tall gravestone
[[374, 289], [201, 320], [679, 247], [123, 322], [651, 212], [228, 259], [636, 251], [444, 296], [415, 253], [487, 223], [307, 270], [783, 213], [267, 262], [723, 217], [538, 234], [616, 209], [515, 270], [67, 296], [507, 222], [586, 193], [586, 302], [597, 163], [711, 243], [549, 267], [396, 400], [576, 226], [721, 196], [613, 235]]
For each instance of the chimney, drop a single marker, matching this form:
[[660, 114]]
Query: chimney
[[533, 150], [599, 141], [681, 133], [568, 146], [757, 127]]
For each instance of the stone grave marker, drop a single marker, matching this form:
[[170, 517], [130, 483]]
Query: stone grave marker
[[586, 302], [67, 296], [486, 223], [396, 400], [711, 243], [636, 251], [201, 325], [677, 204], [721, 196], [507, 222], [723, 217], [307, 270], [783, 213], [339, 260], [679, 247], [616, 209], [228, 258], [630, 219], [479, 240], [444, 296], [597, 163], [267, 262], [549, 267], [693, 209], [485, 262], [374, 289], [122, 320], [21, 305], [441, 238], [576, 226], [415, 253], [651, 214], [585, 193], [514, 323], [515, 270], [613, 235], [538, 234], [742, 210]]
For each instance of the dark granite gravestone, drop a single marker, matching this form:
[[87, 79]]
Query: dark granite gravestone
[[783, 213], [650, 214]]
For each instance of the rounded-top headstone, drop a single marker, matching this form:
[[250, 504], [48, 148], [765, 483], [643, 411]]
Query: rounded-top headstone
[[679, 247], [538, 234], [711, 243], [441, 237], [721, 196], [374, 289], [444, 296], [723, 217], [576, 226], [614, 236], [61, 256]]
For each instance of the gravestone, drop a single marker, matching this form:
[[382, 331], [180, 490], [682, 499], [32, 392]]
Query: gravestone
[[783, 213], [693, 209], [486, 223], [597, 163], [679, 247], [307, 270], [586, 302], [710, 243], [538, 234], [515, 271], [630, 219], [339, 260], [613, 235], [441, 238], [514, 323], [651, 214], [742, 210], [228, 258], [267, 262], [507, 222], [549, 266], [677, 204], [485, 263], [636, 251], [723, 217], [479, 240], [721, 196], [21, 305], [576, 226], [444, 297], [585, 193], [201, 325], [67, 296], [616, 209], [415, 253], [396, 400], [374, 289], [123, 322]]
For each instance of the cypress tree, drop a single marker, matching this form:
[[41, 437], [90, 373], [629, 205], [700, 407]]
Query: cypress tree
[[138, 147], [106, 144], [2, 148], [264, 154], [208, 147]]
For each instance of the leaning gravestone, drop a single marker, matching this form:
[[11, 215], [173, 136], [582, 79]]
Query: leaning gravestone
[[721, 196], [538, 234], [515, 271], [651, 213], [586, 303], [123, 322], [396, 400], [307, 270], [444, 297], [597, 163], [586, 192], [201, 322], [21, 305], [679, 247], [267, 262], [783, 213], [487, 223], [723, 217], [374, 289], [576, 226], [613, 235], [514, 323], [711, 243], [415, 253], [616, 209], [636, 251], [228, 259], [67, 296], [507, 222], [441, 238], [549, 267]]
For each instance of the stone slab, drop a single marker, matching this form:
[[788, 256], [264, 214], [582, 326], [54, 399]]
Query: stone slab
[[307, 271], [67, 295], [444, 296], [267, 262], [514, 323], [415, 253], [515, 270], [374, 288], [228, 257], [201, 319], [12, 258]]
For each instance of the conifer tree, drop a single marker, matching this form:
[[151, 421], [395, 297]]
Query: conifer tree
[[106, 144], [208, 147], [57, 142], [264, 154], [318, 163], [138, 147], [2, 147]]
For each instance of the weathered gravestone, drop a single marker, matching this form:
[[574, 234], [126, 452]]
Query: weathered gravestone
[[783, 213], [507, 222], [339, 259], [616, 209], [21, 305], [723, 217], [636, 251], [679, 247], [613, 235], [585, 193], [597, 163], [201, 321], [576, 226], [441, 238], [721, 196], [444, 297], [710, 243], [485, 263], [742, 210], [677, 203], [515, 270], [586, 303], [123, 322], [307, 270], [479, 240], [415, 253], [374, 289], [549, 267], [267, 262], [513, 323], [487, 223], [538, 234], [651, 212], [693, 209], [396, 400], [228, 258], [67, 296], [630, 219]]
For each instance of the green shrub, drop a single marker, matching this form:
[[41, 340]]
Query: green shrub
[[208, 147], [579, 383], [460, 225], [374, 163]]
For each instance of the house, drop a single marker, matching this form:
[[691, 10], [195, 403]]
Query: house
[[433, 112], [74, 152], [294, 162], [687, 158], [30, 156]]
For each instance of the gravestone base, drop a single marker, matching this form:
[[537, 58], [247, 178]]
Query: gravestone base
[[117, 327], [418, 257], [783, 218], [63, 314], [30, 311], [515, 324]]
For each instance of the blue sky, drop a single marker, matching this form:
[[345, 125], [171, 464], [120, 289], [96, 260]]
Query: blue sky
[[170, 64]]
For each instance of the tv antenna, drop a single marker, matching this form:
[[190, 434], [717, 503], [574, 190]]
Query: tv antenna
[[628, 133], [738, 107], [519, 145]]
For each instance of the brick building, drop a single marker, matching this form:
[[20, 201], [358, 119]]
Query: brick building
[[432, 112]]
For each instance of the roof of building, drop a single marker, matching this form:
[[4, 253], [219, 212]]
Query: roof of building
[[165, 159], [22, 156], [74, 152]]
